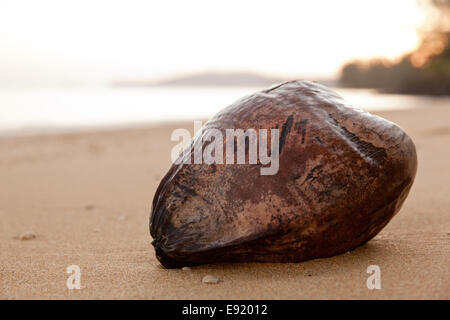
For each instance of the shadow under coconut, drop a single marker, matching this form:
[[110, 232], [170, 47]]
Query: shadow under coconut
[[364, 255]]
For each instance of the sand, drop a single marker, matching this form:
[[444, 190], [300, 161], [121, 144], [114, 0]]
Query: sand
[[86, 197]]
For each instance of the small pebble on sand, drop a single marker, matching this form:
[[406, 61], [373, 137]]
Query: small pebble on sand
[[186, 268], [122, 218], [210, 279], [27, 236], [89, 207]]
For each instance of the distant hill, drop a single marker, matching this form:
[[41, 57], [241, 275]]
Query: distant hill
[[215, 79]]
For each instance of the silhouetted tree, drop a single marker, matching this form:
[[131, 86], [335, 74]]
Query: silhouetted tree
[[423, 71]]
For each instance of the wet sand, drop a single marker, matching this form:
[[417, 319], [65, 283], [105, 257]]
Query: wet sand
[[86, 197]]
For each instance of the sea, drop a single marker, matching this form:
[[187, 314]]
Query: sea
[[26, 111]]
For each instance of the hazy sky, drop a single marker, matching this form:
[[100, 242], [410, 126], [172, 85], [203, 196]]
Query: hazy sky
[[53, 40]]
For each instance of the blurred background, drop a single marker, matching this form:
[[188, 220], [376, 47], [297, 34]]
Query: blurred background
[[80, 64]]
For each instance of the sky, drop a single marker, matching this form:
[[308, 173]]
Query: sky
[[52, 41]]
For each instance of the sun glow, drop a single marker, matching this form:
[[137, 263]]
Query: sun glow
[[104, 40]]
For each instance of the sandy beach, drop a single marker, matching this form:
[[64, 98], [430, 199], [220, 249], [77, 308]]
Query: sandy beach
[[87, 196]]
